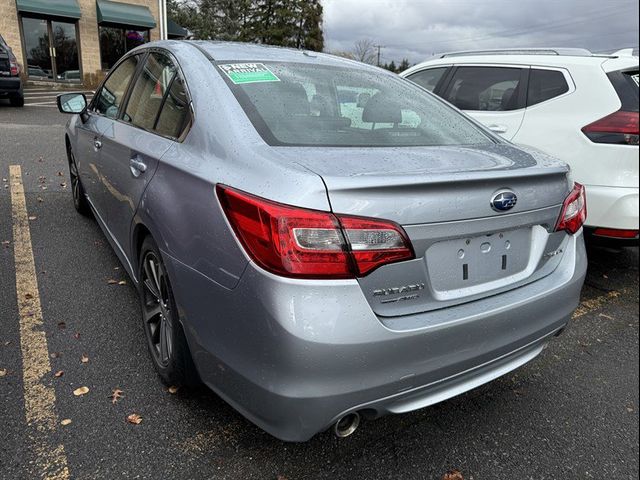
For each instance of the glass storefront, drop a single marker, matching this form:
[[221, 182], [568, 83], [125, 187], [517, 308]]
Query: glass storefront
[[116, 41], [51, 50]]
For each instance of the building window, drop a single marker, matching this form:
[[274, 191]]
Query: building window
[[116, 41]]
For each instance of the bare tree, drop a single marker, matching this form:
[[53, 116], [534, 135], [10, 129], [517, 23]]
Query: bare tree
[[365, 51]]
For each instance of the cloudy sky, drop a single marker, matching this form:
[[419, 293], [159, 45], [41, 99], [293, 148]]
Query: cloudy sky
[[418, 28]]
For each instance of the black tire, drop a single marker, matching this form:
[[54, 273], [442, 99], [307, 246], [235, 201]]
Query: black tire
[[80, 201], [17, 101], [165, 337]]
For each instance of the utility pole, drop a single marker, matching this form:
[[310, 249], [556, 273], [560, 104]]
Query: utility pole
[[378, 47]]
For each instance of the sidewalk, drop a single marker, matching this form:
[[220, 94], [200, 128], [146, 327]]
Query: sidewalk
[[45, 96]]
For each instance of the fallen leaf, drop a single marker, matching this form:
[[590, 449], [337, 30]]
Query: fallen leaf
[[453, 475], [122, 282], [63, 184], [116, 268], [3, 372], [116, 395], [40, 200], [28, 296], [59, 174], [134, 418], [32, 217], [6, 243], [62, 325], [56, 355], [65, 422], [112, 281], [76, 335], [78, 392], [173, 389], [59, 373], [84, 358]]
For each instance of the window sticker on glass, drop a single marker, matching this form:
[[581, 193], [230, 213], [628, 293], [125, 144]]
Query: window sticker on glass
[[240, 73]]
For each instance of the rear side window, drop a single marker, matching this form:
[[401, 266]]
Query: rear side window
[[174, 116], [111, 95], [545, 85], [485, 88], [626, 86], [148, 92], [428, 78]]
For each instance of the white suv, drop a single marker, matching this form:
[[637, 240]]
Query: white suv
[[570, 103]]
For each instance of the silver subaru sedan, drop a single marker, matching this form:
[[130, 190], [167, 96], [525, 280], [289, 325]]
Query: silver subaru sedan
[[318, 240]]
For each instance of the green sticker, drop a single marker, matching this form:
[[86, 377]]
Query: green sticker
[[248, 73]]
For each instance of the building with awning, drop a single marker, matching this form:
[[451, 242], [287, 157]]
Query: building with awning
[[77, 41]]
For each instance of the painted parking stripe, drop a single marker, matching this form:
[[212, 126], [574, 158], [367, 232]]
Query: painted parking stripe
[[39, 395]]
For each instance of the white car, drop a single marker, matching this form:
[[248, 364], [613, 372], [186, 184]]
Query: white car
[[570, 103]]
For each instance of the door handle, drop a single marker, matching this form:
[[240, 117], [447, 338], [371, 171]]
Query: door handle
[[137, 166], [97, 144], [498, 128]]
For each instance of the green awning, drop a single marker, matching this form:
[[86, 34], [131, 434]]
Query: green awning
[[124, 14], [60, 8], [175, 30]]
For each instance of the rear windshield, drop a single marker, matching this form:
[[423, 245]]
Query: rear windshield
[[318, 105], [625, 83]]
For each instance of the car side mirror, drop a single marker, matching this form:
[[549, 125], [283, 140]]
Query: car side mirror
[[72, 103]]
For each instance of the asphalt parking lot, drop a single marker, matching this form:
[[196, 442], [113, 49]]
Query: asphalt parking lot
[[570, 414]]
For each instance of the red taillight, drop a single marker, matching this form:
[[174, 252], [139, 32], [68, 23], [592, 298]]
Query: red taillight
[[616, 233], [620, 127], [301, 243], [14, 69], [574, 211]]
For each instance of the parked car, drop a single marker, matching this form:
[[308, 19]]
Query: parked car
[[315, 256], [579, 107], [10, 81]]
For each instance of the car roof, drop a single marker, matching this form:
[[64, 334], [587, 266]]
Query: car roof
[[578, 58], [237, 51]]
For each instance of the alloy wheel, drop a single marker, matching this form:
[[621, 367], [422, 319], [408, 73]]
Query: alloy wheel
[[157, 308]]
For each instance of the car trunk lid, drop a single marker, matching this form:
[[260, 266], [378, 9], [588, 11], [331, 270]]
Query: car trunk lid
[[441, 196]]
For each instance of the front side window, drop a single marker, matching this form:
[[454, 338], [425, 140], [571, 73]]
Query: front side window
[[485, 88], [545, 85], [109, 99], [116, 41], [148, 92], [428, 78], [321, 105]]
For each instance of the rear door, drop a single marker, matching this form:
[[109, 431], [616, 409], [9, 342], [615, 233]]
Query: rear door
[[493, 95], [131, 147]]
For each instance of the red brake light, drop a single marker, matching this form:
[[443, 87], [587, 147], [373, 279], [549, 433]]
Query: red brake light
[[14, 69], [301, 243], [620, 127], [574, 211], [616, 233]]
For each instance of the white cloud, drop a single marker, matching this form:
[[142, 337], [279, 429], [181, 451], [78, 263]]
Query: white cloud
[[417, 28]]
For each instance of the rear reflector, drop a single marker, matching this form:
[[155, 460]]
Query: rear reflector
[[615, 233], [301, 243], [574, 211], [620, 127]]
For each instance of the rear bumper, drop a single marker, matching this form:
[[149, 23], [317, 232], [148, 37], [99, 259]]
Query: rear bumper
[[10, 86], [293, 356], [612, 207]]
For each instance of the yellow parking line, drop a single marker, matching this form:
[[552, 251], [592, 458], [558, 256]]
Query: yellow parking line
[[39, 395]]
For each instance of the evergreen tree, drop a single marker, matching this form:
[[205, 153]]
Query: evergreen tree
[[392, 66], [290, 23], [404, 64]]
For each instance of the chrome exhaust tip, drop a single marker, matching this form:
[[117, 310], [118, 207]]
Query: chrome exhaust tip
[[346, 425]]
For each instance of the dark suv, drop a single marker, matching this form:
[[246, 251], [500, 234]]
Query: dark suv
[[10, 81]]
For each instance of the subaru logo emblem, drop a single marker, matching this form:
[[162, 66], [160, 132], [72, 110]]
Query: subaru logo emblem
[[504, 200]]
